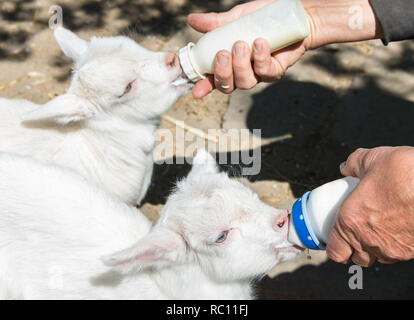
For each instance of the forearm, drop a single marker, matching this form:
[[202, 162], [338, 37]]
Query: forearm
[[334, 21]]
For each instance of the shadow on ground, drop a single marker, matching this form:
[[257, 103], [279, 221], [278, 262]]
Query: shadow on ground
[[142, 18], [12, 41], [326, 127], [330, 281], [166, 175], [155, 17]]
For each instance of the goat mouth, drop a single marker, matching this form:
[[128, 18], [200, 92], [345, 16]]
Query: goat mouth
[[285, 246], [181, 80]]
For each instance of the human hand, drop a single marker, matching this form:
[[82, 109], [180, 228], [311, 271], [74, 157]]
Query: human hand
[[235, 69], [376, 221], [329, 22]]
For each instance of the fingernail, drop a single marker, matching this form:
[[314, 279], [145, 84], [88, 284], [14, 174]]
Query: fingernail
[[239, 49], [258, 46], [222, 59], [342, 165]]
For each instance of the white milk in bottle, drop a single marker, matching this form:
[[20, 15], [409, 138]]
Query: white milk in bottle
[[314, 213], [281, 23]]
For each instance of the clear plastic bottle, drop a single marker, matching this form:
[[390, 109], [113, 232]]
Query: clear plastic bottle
[[314, 213], [281, 23]]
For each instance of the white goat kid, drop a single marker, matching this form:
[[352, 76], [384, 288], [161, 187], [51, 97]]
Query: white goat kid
[[213, 238], [104, 126]]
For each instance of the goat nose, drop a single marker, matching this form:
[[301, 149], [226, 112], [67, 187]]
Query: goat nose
[[281, 220], [171, 60]]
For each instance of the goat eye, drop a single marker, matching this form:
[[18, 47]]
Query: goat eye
[[222, 237], [127, 89]]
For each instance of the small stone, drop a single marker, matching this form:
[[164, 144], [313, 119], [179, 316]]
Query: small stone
[[35, 74]]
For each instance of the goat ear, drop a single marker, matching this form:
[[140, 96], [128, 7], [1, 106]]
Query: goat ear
[[204, 162], [158, 249], [71, 45], [63, 110]]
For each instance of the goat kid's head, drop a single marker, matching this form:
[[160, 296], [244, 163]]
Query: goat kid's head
[[216, 222], [113, 76]]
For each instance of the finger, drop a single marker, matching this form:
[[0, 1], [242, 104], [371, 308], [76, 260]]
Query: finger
[[338, 248], [386, 261], [203, 87], [205, 22], [356, 165], [288, 56], [263, 64], [363, 258], [223, 72], [382, 258], [244, 77]]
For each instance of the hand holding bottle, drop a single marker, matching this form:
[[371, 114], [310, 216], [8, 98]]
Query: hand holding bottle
[[376, 222], [329, 22]]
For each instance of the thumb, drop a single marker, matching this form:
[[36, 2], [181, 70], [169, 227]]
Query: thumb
[[358, 163], [205, 22], [337, 247]]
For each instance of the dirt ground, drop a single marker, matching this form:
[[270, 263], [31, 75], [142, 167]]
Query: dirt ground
[[336, 99]]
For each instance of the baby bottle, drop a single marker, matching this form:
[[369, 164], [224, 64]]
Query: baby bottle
[[314, 213], [281, 23]]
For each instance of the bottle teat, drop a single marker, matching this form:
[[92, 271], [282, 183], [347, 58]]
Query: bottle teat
[[285, 244], [187, 63]]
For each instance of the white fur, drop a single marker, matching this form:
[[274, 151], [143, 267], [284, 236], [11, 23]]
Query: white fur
[[56, 228], [91, 128]]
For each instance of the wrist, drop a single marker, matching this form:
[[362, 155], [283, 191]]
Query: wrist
[[334, 21]]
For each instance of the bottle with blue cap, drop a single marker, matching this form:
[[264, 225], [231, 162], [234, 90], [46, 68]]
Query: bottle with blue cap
[[314, 213]]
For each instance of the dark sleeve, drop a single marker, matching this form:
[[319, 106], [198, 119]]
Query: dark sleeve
[[396, 18]]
